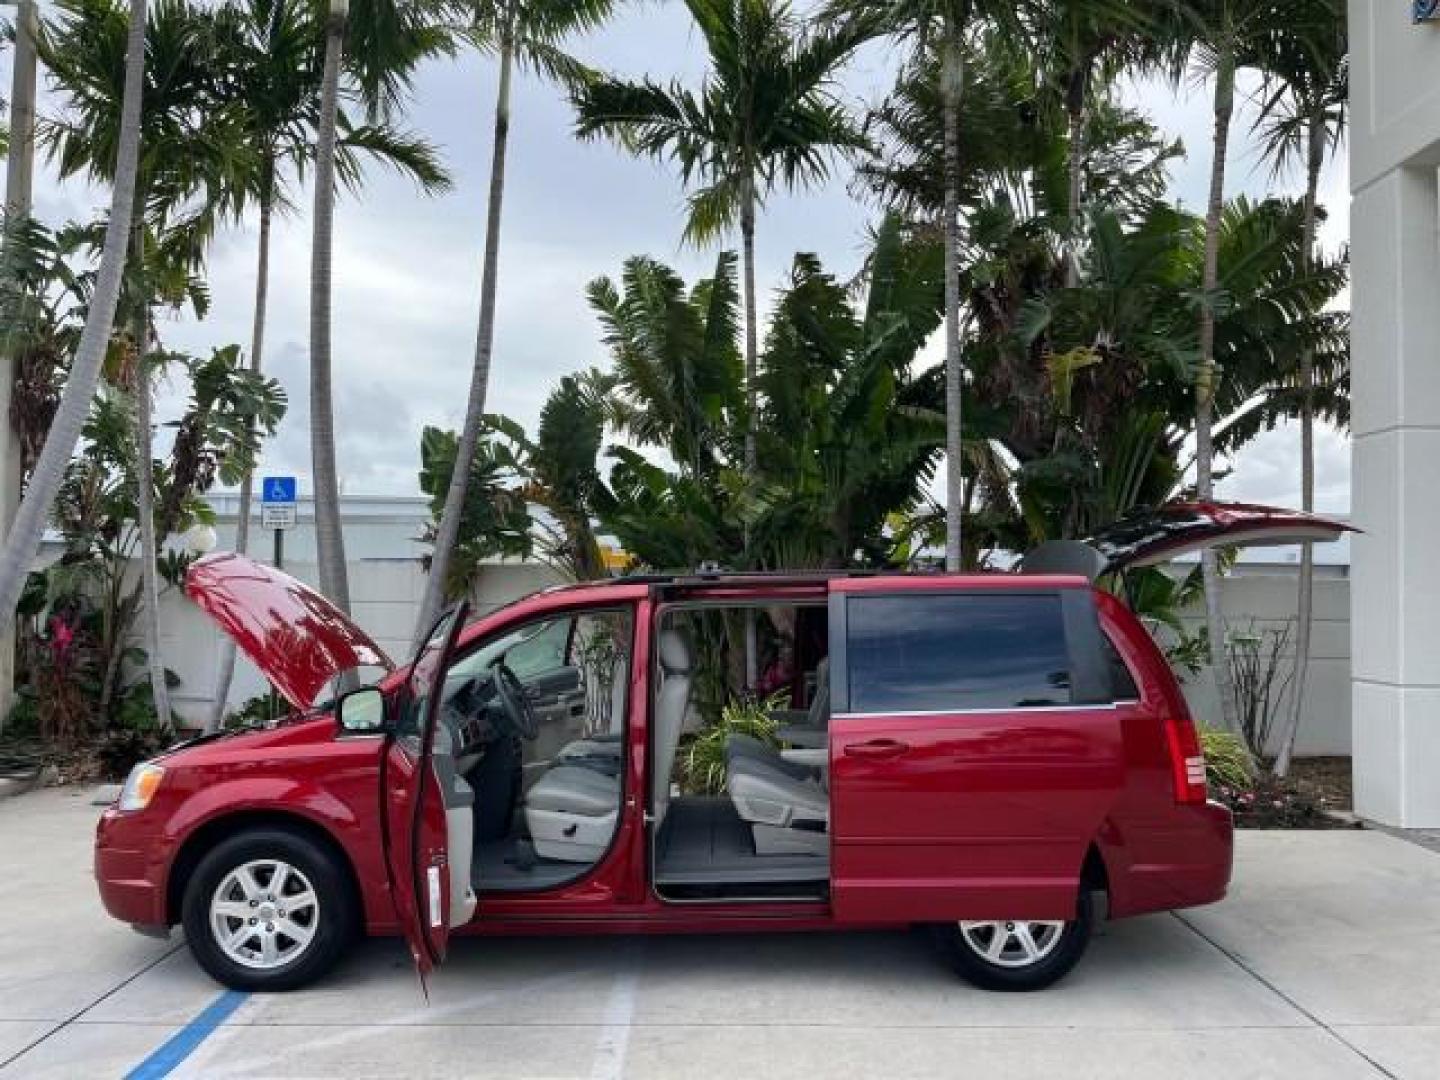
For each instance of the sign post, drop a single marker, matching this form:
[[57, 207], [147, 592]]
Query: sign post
[[277, 511]]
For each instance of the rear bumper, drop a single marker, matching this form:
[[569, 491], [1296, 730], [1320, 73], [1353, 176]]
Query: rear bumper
[[1184, 861], [130, 880]]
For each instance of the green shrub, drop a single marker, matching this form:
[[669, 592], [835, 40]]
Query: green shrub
[[258, 711], [1228, 764], [704, 757]]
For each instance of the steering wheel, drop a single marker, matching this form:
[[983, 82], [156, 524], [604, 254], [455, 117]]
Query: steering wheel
[[518, 707]]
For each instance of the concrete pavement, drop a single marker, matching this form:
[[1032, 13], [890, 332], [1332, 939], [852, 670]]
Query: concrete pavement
[[1322, 965]]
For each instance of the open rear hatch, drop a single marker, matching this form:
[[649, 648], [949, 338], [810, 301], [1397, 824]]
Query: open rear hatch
[[297, 638], [1158, 535]]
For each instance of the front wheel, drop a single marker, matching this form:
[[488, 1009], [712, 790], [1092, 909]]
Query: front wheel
[[1017, 954], [268, 909]]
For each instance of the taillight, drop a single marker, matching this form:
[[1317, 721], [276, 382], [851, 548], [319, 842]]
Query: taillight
[[1187, 759]]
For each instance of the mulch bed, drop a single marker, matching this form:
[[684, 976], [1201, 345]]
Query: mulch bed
[[1316, 789], [99, 759]]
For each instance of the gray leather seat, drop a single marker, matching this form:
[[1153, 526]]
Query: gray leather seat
[[765, 795], [748, 747], [672, 702], [572, 811], [787, 803], [817, 720], [575, 789]]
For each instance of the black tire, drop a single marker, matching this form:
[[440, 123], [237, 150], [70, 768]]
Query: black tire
[[336, 915], [975, 968]]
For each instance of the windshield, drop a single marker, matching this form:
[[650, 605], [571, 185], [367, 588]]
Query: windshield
[[423, 679]]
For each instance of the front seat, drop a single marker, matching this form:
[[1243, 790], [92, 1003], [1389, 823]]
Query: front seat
[[572, 811]]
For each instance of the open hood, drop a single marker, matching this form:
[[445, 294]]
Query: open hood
[[297, 638], [1153, 536]]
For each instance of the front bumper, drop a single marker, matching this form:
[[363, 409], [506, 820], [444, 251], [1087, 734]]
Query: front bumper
[[130, 878]]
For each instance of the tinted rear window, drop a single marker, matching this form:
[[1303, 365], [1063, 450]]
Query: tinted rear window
[[1122, 683], [940, 652]]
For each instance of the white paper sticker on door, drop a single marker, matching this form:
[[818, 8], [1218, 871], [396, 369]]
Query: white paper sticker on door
[[433, 878]]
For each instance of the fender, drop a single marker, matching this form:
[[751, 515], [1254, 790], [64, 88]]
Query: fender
[[297, 796]]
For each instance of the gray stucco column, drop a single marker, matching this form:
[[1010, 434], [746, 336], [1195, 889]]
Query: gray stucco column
[[1395, 589]]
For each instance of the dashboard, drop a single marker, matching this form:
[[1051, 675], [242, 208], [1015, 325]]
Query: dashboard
[[474, 716]]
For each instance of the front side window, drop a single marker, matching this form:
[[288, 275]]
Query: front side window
[[941, 652]]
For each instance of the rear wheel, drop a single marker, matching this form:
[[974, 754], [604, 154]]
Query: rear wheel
[[268, 909], [1017, 954]]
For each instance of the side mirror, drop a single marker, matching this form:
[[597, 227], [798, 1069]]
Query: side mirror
[[362, 712]]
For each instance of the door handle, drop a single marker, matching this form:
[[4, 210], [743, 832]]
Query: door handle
[[877, 748]]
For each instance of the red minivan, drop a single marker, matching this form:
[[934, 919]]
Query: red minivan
[[995, 756]]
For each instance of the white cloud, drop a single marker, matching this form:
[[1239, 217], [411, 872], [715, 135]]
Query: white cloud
[[407, 268]]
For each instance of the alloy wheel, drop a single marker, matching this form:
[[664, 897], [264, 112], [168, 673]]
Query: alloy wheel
[[1012, 943], [264, 914]]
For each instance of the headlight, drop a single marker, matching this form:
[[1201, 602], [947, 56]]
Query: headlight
[[140, 786]]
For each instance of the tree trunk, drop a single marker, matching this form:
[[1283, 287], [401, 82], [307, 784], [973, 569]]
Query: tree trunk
[[19, 176], [145, 513], [24, 537], [329, 536], [1075, 109], [752, 417], [1209, 376], [1305, 601], [747, 244], [447, 535], [951, 81], [247, 482]]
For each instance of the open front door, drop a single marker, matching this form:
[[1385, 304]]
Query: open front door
[[416, 798]]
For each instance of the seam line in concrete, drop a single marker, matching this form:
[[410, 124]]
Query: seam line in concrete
[[98, 1001], [1283, 996]]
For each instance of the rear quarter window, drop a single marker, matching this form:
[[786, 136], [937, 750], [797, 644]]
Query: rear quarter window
[[926, 652], [1122, 680]]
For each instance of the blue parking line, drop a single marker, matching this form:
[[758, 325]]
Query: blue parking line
[[188, 1039]]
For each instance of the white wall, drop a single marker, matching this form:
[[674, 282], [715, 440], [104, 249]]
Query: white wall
[[1395, 421], [1267, 595]]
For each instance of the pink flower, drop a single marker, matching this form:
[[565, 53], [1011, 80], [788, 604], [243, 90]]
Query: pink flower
[[62, 636]]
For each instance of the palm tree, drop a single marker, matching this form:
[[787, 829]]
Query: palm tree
[[528, 33], [763, 117], [1080, 40], [945, 25], [385, 40], [1303, 118], [851, 433], [189, 153], [678, 375], [1221, 37], [329, 536], [24, 537], [271, 53]]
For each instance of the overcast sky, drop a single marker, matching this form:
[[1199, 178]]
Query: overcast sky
[[407, 267]]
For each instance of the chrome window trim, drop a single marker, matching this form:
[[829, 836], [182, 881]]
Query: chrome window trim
[[1107, 706]]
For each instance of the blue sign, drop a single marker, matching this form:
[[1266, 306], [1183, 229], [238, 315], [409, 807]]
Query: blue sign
[[277, 489], [1426, 10]]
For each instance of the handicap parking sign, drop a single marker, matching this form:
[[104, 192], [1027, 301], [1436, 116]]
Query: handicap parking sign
[[277, 489]]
